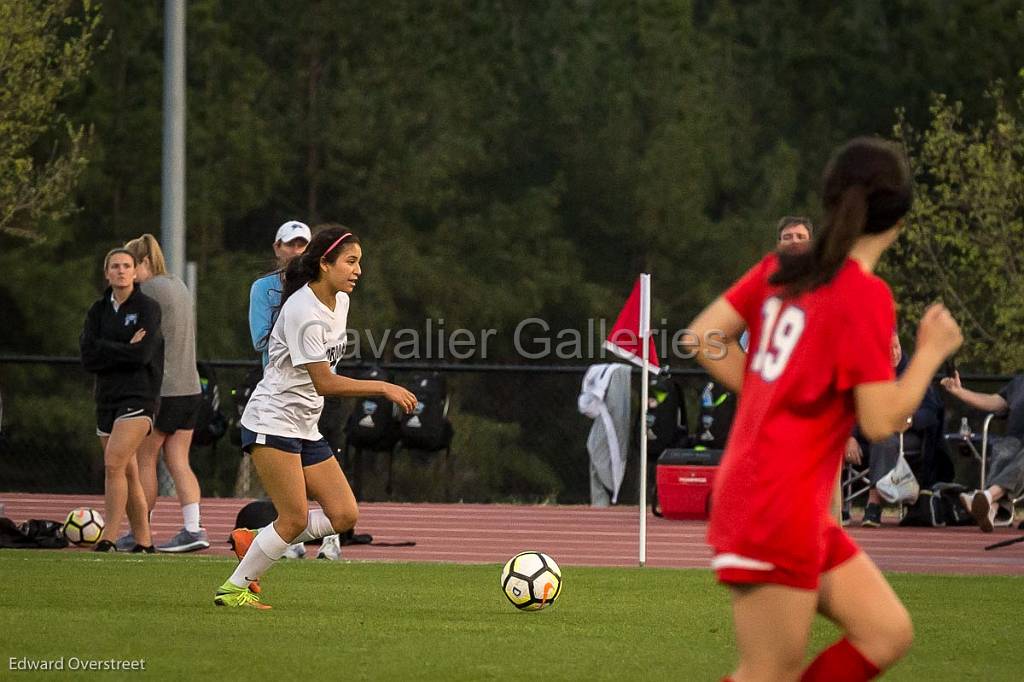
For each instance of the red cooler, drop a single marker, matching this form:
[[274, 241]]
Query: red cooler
[[684, 479]]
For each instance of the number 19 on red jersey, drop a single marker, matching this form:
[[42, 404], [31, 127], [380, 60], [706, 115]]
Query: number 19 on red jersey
[[781, 328]]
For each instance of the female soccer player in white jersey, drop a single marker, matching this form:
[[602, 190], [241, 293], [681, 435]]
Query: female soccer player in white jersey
[[820, 325], [279, 425]]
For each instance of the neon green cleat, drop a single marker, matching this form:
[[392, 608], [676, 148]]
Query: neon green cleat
[[229, 595]]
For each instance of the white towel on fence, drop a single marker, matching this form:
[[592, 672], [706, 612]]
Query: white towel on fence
[[604, 397]]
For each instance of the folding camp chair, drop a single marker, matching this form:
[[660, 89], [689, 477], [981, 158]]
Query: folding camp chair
[[975, 446]]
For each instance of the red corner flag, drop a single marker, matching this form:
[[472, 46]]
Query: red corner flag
[[633, 323]]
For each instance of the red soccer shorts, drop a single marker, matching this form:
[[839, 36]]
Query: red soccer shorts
[[837, 548]]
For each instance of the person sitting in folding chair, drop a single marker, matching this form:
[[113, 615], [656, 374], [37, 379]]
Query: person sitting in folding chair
[[920, 445], [1005, 476]]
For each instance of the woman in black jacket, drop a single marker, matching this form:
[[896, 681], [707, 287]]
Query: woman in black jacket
[[122, 345]]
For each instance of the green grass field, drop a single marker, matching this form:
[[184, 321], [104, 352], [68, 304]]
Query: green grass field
[[446, 622]]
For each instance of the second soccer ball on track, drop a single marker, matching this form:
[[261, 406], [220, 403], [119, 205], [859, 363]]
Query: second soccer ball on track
[[531, 581]]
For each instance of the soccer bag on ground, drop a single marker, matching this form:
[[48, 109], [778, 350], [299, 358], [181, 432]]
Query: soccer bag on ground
[[666, 416], [373, 422], [256, 514], [427, 428], [33, 534]]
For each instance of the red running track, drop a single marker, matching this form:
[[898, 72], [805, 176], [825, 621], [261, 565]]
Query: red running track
[[574, 535]]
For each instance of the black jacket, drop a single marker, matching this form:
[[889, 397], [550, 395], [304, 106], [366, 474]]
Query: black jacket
[[125, 372], [927, 421]]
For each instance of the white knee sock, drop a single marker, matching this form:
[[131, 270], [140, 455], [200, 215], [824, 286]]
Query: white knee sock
[[318, 526], [190, 512], [265, 550]]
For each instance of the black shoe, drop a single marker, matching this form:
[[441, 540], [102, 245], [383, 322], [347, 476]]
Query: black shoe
[[143, 549], [104, 546], [872, 516]]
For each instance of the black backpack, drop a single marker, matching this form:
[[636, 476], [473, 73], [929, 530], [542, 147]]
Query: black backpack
[[210, 422], [427, 427], [373, 422], [32, 534], [717, 409], [666, 416], [240, 397], [332, 423], [938, 508]]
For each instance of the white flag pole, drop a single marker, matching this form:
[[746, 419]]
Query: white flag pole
[[645, 332]]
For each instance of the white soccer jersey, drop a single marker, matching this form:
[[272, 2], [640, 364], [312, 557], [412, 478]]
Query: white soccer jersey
[[285, 403]]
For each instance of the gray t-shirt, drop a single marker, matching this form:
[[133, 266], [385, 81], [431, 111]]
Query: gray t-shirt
[[179, 328]]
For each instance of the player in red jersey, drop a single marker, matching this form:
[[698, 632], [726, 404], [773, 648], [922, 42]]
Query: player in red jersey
[[820, 324]]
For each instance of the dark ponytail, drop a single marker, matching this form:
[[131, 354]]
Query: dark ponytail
[[328, 243], [867, 189]]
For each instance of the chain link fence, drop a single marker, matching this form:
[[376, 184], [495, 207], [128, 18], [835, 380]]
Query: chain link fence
[[518, 436]]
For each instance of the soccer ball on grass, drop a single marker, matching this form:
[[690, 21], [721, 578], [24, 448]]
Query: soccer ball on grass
[[531, 581], [83, 526]]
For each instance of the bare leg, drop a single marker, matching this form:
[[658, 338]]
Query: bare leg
[[149, 453], [138, 512], [125, 438], [282, 477], [326, 484], [773, 624], [857, 598], [281, 473], [176, 449]]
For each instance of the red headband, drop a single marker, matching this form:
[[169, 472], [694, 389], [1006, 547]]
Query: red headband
[[336, 242]]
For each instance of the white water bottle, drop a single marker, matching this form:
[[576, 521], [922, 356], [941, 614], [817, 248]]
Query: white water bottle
[[965, 428]]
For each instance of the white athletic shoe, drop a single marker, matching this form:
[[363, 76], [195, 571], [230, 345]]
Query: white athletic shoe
[[984, 511], [330, 548], [296, 551]]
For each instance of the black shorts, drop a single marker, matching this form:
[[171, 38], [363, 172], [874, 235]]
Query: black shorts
[[106, 416], [178, 413], [310, 452]]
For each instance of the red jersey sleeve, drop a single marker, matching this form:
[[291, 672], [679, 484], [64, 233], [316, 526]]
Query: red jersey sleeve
[[865, 337], [748, 292]]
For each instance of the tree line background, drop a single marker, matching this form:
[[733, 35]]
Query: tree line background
[[500, 160]]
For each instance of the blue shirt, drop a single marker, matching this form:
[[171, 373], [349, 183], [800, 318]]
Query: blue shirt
[[264, 298]]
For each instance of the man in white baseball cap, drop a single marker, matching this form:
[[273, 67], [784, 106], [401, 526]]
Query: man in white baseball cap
[[291, 240], [265, 294]]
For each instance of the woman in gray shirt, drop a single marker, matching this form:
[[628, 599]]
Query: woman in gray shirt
[[180, 395]]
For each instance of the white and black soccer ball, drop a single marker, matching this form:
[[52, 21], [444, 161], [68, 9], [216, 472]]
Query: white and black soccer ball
[[531, 581], [83, 526]]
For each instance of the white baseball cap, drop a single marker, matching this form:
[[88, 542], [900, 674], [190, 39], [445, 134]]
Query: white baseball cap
[[293, 229]]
